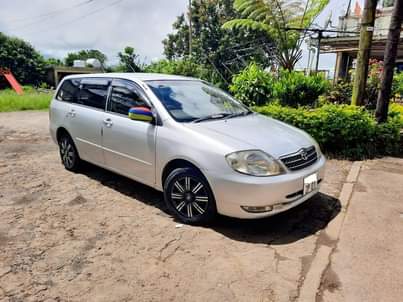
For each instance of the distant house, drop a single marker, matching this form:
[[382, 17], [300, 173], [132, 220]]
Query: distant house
[[345, 45], [57, 73]]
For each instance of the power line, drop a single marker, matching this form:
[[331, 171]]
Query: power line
[[49, 16], [77, 18], [50, 13]]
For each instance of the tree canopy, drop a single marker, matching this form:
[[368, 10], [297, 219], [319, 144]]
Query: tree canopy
[[129, 61], [224, 51], [27, 65], [84, 55]]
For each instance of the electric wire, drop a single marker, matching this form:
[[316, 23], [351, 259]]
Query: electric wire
[[50, 28], [49, 14]]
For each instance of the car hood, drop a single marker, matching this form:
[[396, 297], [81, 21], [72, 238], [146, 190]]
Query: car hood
[[255, 131]]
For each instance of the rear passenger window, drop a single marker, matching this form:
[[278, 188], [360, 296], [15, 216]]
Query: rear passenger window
[[93, 93], [123, 97], [69, 91]]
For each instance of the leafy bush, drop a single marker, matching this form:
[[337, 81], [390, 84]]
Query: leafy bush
[[339, 93], [397, 86], [294, 88], [342, 130], [396, 110], [253, 86], [373, 83]]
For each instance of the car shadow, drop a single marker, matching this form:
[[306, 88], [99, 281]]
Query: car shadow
[[287, 227], [290, 226]]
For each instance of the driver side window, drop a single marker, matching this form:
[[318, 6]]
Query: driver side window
[[125, 96]]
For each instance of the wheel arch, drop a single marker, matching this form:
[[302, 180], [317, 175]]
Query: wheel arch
[[178, 163], [60, 131]]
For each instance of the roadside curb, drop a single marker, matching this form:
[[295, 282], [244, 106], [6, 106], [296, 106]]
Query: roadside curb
[[321, 261]]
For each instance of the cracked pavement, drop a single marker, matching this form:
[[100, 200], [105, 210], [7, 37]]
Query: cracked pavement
[[97, 236]]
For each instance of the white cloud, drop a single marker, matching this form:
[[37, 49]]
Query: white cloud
[[107, 25], [142, 24]]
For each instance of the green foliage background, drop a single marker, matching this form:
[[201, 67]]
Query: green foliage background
[[27, 65], [84, 55], [254, 86], [343, 130]]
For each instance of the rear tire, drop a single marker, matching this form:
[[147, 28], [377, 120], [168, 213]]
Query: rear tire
[[68, 153], [189, 197]]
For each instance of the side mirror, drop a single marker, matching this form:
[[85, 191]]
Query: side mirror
[[141, 114]]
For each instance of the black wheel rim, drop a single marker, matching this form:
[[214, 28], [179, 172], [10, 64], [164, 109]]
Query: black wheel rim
[[189, 196], [67, 153]]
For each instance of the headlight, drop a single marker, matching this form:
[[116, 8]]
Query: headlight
[[318, 151], [254, 162]]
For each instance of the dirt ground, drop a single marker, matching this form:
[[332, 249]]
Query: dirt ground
[[97, 236]]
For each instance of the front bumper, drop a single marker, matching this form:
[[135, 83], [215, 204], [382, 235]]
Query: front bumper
[[283, 192]]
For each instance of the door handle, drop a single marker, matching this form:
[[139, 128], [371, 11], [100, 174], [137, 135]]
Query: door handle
[[71, 113], [108, 122]]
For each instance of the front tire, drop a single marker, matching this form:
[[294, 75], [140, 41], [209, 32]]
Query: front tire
[[189, 197], [68, 153]]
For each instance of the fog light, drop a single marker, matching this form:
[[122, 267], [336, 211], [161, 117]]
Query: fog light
[[257, 209]]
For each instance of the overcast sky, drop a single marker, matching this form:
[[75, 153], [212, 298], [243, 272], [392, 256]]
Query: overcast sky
[[56, 27]]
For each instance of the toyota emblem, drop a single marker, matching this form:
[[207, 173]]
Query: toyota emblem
[[304, 154]]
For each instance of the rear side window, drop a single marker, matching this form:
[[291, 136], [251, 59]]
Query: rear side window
[[94, 92], [69, 91], [124, 96]]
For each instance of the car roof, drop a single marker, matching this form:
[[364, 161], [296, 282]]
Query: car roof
[[133, 76]]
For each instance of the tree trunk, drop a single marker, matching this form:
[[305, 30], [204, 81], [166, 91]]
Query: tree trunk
[[366, 33], [389, 62]]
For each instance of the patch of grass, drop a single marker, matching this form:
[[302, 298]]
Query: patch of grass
[[30, 100]]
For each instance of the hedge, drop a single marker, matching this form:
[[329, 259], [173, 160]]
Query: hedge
[[342, 130], [255, 86]]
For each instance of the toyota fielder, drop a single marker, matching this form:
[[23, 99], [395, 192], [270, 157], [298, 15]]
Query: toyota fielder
[[205, 150]]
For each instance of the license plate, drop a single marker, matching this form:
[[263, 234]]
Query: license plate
[[310, 183]]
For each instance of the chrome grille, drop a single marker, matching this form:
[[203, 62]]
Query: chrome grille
[[300, 159]]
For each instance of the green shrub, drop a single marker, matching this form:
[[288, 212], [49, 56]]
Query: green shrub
[[296, 89], [342, 130], [253, 86], [397, 86], [396, 110], [339, 93]]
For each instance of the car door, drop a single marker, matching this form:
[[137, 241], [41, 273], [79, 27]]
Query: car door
[[86, 118], [61, 107], [129, 145]]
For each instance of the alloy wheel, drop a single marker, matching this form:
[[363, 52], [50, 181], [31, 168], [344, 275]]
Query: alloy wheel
[[67, 153], [189, 197]]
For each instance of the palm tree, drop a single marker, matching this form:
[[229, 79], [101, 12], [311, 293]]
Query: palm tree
[[279, 19]]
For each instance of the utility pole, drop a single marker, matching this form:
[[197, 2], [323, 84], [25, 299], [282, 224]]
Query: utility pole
[[320, 36], [366, 33], [389, 62], [190, 28]]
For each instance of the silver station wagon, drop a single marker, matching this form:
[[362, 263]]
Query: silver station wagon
[[203, 149]]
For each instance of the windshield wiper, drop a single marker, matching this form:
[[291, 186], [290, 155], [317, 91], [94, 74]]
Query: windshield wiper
[[244, 113], [216, 116]]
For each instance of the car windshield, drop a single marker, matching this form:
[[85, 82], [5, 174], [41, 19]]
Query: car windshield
[[195, 101]]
